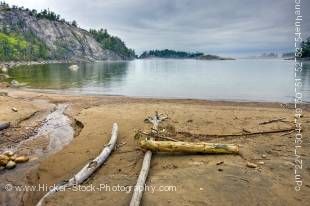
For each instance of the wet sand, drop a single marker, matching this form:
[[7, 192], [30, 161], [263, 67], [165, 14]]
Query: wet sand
[[198, 179]]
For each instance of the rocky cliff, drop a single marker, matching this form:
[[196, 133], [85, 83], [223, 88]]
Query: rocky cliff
[[61, 39]]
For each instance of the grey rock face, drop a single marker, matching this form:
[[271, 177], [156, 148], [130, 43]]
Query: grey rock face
[[63, 41]]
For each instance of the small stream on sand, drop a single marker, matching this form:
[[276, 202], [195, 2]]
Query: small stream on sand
[[55, 132]]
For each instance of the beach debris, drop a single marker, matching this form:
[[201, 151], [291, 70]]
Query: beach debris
[[137, 194], [220, 162], [8, 153], [251, 165], [3, 94], [240, 134], [88, 169], [189, 147], [9, 159], [14, 109], [21, 159], [261, 163], [151, 145], [154, 135], [10, 165], [4, 160], [13, 157], [220, 169], [4, 125], [74, 67], [273, 120]]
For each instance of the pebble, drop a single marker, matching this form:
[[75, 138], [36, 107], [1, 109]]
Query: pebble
[[13, 157], [219, 163], [14, 109], [4, 160], [14, 82], [261, 163], [8, 153], [10, 165], [4, 94], [21, 159], [251, 165], [264, 156]]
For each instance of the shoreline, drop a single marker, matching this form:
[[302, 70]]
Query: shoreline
[[196, 120], [77, 93], [52, 92]]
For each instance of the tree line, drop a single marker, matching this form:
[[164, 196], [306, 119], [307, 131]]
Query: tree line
[[112, 43]]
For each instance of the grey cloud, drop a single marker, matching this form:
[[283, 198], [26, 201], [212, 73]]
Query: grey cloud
[[222, 26]]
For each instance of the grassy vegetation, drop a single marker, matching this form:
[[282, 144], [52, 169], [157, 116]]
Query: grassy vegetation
[[15, 47]]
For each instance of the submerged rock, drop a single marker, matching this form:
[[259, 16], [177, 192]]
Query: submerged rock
[[74, 67], [15, 83], [4, 69]]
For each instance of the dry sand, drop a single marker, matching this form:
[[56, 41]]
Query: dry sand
[[198, 179]]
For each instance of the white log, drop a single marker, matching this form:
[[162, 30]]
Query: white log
[[88, 169], [139, 187]]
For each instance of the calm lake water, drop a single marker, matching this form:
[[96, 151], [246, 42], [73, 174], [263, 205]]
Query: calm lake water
[[249, 80]]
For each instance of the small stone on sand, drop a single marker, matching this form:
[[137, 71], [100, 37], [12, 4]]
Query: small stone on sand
[[251, 165]]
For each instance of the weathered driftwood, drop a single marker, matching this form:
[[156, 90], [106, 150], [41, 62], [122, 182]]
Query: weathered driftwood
[[248, 133], [4, 125], [88, 169], [138, 190], [157, 135], [273, 120], [189, 147], [139, 187], [156, 120]]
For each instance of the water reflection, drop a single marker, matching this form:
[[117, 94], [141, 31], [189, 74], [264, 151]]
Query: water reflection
[[305, 77], [254, 80], [59, 76]]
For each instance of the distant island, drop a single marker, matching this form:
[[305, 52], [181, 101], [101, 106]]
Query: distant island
[[172, 54]]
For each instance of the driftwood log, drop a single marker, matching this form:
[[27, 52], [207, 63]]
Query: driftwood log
[[4, 125], [88, 169], [273, 120], [189, 147], [139, 187]]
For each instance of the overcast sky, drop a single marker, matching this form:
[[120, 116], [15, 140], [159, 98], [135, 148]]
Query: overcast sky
[[224, 27]]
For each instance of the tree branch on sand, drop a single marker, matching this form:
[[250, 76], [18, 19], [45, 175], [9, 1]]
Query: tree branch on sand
[[88, 169]]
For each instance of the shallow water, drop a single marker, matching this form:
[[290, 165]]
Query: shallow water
[[248, 80], [52, 136]]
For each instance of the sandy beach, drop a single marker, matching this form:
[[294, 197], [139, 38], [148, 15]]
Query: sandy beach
[[198, 179]]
